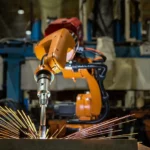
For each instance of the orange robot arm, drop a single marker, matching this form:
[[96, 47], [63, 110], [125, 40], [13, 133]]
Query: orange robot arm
[[88, 106], [58, 48], [54, 51]]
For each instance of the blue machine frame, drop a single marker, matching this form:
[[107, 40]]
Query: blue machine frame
[[15, 55]]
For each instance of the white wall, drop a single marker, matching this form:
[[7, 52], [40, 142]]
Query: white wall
[[28, 82], [123, 74]]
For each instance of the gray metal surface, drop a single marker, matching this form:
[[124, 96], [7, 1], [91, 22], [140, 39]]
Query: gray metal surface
[[68, 144]]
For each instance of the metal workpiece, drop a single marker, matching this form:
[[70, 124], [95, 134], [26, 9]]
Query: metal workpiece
[[42, 128], [42, 132], [43, 115], [58, 144]]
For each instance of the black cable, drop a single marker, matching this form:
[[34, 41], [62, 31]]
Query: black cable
[[76, 66], [103, 57], [95, 53]]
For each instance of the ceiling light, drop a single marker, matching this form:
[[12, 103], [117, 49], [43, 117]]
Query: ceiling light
[[20, 11], [28, 32]]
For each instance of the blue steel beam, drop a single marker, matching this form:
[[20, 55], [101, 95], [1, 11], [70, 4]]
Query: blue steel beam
[[13, 77], [25, 51], [15, 55]]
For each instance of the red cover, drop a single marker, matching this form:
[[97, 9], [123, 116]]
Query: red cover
[[72, 24]]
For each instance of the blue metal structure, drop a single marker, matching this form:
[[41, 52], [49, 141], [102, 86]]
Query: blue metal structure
[[135, 29], [15, 56], [89, 31], [13, 77], [129, 52], [36, 34]]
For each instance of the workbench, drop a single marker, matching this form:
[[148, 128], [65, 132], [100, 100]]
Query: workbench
[[87, 144]]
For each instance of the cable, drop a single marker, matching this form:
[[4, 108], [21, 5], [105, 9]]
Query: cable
[[97, 53], [83, 50]]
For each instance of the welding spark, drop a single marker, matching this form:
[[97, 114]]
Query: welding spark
[[16, 125]]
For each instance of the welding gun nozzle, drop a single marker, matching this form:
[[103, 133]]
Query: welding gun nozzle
[[42, 132]]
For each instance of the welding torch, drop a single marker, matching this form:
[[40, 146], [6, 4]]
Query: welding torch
[[53, 51], [43, 95], [43, 78]]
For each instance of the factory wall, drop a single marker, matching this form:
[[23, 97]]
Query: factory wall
[[123, 74], [28, 82]]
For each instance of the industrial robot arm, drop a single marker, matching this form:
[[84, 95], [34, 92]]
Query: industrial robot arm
[[54, 51]]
